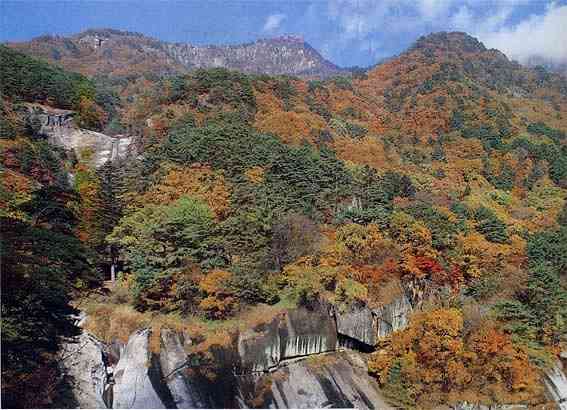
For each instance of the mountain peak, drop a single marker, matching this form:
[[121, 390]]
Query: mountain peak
[[455, 41], [287, 38], [115, 52]]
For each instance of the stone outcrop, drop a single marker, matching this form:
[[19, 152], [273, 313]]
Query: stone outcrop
[[330, 380], [358, 323], [133, 388], [393, 316], [556, 383], [296, 333], [282, 55], [293, 361], [260, 349], [185, 393], [307, 332], [96, 148], [108, 51], [83, 363]]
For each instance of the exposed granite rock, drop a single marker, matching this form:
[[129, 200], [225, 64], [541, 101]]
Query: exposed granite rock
[[82, 361], [282, 364], [108, 51], [133, 387], [556, 383], [282, 55], [332, 380], [185, 393], [298, 332], [357, 323], [260, 349], [59, 128], [306, 332], [393, 316]]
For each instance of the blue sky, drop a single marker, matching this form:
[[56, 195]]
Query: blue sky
[[347, 32]]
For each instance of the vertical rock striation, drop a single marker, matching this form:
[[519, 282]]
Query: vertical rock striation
[[133, 387], [393, 316], [95, 147], [83, 363], [556, 383]]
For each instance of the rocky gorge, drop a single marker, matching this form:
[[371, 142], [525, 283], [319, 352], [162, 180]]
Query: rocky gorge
[[302, 358]]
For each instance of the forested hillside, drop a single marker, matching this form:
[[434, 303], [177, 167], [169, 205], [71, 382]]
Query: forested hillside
[[440, 174]]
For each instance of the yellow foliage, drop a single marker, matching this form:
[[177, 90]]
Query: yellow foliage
[[435, 364], [219, 301], [199, 181], [255, 175], [359, 244]]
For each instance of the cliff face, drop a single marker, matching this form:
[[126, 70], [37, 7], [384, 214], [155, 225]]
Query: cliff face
[[59, 128], [258, 371], [283, 55], [297, 360], [292, 362], [117, 52]]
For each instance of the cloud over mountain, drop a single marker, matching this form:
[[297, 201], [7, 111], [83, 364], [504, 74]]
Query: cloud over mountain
[[274, 22], [543, 36]]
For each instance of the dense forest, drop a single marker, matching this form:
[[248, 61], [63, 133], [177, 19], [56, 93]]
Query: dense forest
[[441, 173]]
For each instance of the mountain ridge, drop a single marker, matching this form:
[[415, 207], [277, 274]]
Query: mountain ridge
[[112, 51]]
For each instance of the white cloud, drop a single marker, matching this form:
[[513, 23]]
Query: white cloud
[[433, 9], [499, 24], [274, 22], [539, 35]]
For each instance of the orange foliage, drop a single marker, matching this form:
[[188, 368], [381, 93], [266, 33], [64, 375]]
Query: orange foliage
[[291, 127], [255, 175], [199, 181], [366, 151], [436, 364], [219, 301]]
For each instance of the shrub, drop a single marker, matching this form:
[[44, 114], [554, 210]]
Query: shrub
[[488, 224]]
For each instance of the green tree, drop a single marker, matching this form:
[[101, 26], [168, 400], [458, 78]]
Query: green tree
[[158, 241], [488, 224], [42, 262]]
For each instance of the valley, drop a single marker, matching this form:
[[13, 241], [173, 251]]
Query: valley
[[254, 227]]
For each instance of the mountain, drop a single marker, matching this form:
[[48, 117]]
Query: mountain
[[413, 214], [109, 51], [548, 64]]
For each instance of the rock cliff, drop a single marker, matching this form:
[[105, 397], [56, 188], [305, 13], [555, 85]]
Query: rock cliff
[[107, 51], [296, 360], [59, 128]]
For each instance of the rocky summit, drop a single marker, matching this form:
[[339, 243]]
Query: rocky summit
[[178, 234], [121, 52]]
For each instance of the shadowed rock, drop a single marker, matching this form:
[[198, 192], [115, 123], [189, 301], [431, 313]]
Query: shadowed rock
[[134, 388], [83, 362]]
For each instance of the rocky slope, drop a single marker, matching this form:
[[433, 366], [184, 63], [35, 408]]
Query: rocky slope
[[60, 129], [295, 361], [116, 52]]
